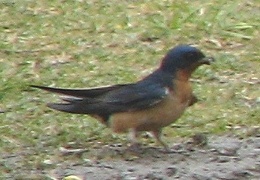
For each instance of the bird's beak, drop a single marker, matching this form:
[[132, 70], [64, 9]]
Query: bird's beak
[[207, 60]]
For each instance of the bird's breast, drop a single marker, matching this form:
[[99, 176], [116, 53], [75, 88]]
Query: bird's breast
[[158, 116]]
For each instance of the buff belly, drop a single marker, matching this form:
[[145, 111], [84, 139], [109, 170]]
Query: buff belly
[[157, 117]]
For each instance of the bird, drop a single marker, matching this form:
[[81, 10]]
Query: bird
[[149, 105]]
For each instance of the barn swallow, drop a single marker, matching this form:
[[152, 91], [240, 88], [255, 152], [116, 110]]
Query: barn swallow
[[150, 104]]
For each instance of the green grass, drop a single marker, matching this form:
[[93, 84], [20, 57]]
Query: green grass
[[93, 43]]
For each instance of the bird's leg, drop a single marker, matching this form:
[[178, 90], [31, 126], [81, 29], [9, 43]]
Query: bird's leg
[[157, 136], [132, 135]]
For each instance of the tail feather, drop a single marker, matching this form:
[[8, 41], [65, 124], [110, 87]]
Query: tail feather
[[70, 99], [66, 107], [91, 92], [78, 101], [78, 105]]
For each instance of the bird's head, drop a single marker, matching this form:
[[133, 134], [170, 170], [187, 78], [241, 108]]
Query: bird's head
[[184, 57]]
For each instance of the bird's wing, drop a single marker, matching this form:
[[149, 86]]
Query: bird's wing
[[82, 93], [129, 98], [135, 97]]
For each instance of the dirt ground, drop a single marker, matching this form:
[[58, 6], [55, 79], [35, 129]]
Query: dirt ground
[[226, 157], [201, 158]]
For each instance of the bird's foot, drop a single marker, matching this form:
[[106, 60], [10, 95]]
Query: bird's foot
[[135, 148]]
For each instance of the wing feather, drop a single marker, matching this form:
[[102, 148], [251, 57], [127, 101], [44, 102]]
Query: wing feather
[[124, 99]]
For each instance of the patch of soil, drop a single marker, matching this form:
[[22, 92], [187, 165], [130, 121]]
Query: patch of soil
[[214, 158], [227, 158]]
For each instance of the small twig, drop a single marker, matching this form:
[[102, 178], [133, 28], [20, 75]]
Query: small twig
[[66, 151]]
